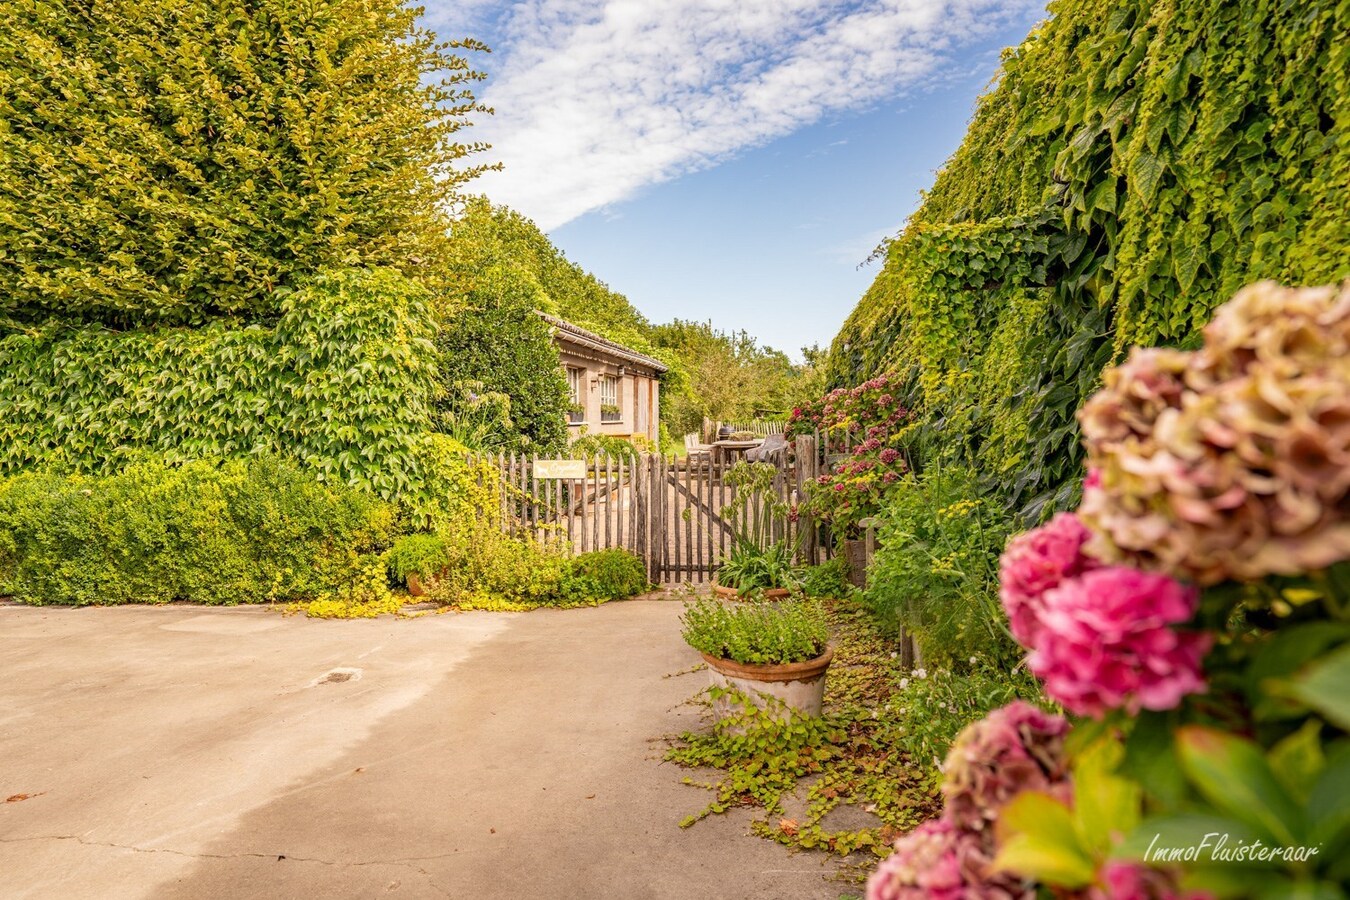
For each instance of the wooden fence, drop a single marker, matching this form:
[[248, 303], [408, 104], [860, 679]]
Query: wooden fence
[[680, 515]]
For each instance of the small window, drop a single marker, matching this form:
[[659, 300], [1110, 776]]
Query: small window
[[610, 411]]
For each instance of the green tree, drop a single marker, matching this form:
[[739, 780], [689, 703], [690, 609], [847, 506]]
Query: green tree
[[167, 161], [722, 376], [484, 234], [498, 340]]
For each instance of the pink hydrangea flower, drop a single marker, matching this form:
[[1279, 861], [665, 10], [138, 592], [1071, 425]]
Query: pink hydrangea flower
[[1035, 562], [1016, 748], [1106, 642], [938, 861]]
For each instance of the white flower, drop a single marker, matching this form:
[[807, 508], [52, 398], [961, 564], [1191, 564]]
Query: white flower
[[974, 660], [920, 673], [894, 654], [942, 706], [904, 683]]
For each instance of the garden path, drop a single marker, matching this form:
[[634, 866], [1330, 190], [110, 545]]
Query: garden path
[[182, 752]]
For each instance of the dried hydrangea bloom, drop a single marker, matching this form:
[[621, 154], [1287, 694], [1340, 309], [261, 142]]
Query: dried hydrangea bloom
[[1232, 462], [1108, 642], [938, 861], [1013, 749], [1033, 563]]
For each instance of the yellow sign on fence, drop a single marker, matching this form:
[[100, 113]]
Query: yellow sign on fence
[[572, 469]]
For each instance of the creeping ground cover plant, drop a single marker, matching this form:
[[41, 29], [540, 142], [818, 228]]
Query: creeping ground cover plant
[[1193, 618]]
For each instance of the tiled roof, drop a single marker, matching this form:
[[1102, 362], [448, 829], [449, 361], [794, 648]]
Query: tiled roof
[[575, 334]]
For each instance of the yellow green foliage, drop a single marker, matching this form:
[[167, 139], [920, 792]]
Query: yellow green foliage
[[341, 382], [168, 161], [238, 531]]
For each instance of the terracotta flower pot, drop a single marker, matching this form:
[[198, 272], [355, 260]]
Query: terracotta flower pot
[[799, 686], [730, 593], [415, 586]]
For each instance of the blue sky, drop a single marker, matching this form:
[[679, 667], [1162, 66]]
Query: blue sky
[[729, 161]]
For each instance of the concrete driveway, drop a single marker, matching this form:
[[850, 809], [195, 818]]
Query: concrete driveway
[[185, 752]]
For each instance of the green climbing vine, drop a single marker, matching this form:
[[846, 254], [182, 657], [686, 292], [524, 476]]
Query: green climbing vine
[[1135, 163]]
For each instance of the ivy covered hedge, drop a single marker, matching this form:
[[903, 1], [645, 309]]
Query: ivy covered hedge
[[1134, 165], [342, 382]]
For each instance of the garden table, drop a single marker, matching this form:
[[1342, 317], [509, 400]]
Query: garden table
[[725, 451]]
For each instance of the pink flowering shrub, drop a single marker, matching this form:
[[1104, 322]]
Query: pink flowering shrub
[[1232, 462], [1015, 747], [939, 861], [1195, 612], [1107, 640], [1035, 562], [1124, 880], [861, 428]]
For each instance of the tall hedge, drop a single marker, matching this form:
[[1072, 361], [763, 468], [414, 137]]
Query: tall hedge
[[342, 382], [167, 161], [1136, 162], [499, 341]]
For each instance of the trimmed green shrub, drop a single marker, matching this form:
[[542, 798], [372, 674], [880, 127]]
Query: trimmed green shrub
[[487, 568], [242, 531], [341, 382], [603, 575], [168, 161], [790, 631], [589, 446], [499, 341]]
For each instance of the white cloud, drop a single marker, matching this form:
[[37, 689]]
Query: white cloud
[[597, 99]]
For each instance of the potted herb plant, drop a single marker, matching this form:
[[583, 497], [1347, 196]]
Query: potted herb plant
[[416, 560], [771, 654], [751, 570]]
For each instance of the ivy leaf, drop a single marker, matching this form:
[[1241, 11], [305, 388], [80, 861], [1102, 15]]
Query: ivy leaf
[[1186, 260], [1146, 170], [1103, 196]]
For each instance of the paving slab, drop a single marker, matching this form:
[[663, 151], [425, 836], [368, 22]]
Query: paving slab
[[185, 752]]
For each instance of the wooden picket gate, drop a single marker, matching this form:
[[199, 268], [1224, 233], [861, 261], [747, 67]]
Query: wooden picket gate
[[668, 510]]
